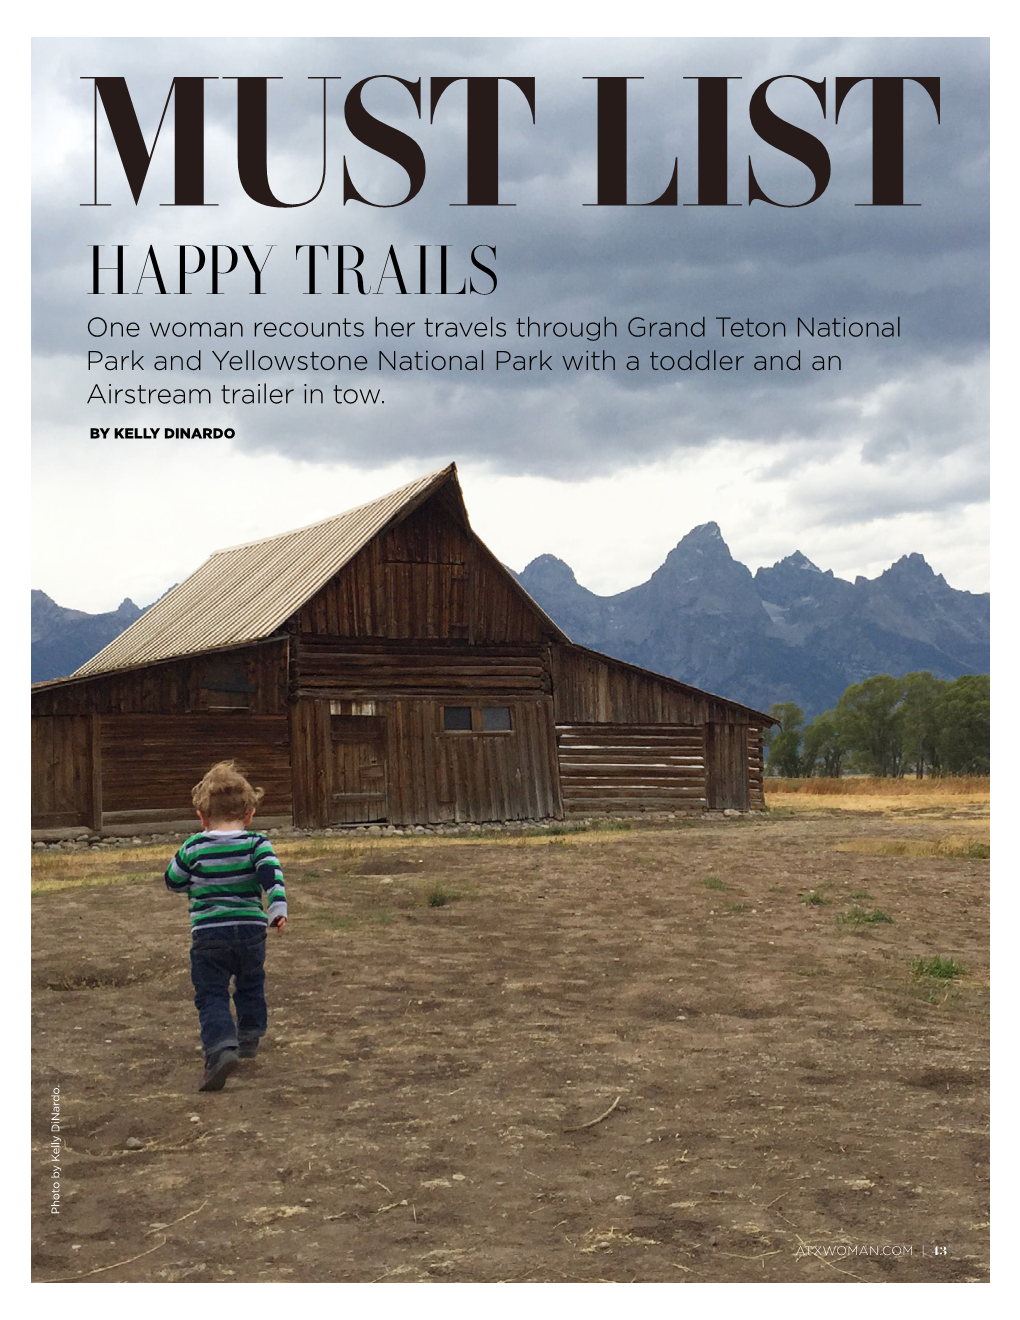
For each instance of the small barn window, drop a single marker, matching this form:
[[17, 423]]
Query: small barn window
[[477, 719], [457, 718], [224, 685]]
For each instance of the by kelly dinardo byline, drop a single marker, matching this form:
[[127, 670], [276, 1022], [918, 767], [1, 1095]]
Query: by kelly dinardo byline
[[167, 432]]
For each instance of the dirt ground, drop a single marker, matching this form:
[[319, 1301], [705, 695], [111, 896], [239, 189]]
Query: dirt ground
[[630, 1054]]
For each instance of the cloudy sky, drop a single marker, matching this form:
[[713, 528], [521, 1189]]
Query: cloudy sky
[[607, 470]]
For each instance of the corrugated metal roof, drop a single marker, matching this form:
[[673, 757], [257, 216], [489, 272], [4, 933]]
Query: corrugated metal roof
[[244, 593]]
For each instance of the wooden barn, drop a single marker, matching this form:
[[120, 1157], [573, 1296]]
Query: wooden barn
[[380, 666]]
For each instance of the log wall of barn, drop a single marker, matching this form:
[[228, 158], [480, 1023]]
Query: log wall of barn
[[339, 667], [755, 769], [626, 768]]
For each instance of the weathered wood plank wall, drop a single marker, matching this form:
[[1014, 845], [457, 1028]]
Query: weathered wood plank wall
[[432, 775], [62, 788], [726, 762], [360, 789], [151, 762], [112, 769], [426, 578], [257, 672], [594, 689], [309, 762]]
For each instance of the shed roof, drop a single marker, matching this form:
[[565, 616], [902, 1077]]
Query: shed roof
[[244, 593]]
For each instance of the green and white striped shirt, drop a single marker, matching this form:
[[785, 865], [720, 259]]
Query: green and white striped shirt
[[225, 873]]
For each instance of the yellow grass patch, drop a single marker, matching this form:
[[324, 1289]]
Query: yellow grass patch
[[968, 793], [52, 871], [68, 870], [949, 845], [855, 785]]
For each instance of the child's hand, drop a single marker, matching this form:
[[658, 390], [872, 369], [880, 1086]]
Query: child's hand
[[279, 922]]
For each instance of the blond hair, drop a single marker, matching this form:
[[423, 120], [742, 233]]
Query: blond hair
[[223, 793]]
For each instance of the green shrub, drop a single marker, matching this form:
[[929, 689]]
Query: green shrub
[[938, 968], [858, 916], [437, 896]]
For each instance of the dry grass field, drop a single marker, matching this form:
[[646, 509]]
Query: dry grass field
[[744, 1050], [962, 794]]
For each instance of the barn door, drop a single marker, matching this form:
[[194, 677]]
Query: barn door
[[726, 768], [64, 785], [359, 793]]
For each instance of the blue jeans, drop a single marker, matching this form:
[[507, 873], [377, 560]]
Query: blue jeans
[[237, 951]]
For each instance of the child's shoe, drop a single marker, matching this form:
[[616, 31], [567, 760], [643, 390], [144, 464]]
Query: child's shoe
[[218, 1069], [249, 1048]]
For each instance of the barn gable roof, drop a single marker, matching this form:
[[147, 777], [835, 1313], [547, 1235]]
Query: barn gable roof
[[244, 593]]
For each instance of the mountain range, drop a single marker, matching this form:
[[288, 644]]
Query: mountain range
[[792, 632]]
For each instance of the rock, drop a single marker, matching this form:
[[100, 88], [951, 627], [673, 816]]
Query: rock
[[134, 1143]]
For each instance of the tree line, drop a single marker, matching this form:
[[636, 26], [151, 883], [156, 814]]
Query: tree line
[[887, 726]]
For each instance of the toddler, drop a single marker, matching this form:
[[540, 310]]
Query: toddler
[[225, 871]]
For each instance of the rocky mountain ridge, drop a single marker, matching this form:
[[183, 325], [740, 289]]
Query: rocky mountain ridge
[[790, 632], [63, 639]]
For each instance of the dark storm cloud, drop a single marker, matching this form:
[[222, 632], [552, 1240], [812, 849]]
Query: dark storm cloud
[[560, 259]]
